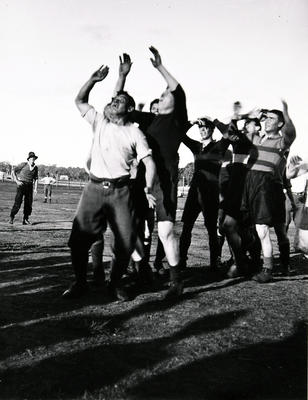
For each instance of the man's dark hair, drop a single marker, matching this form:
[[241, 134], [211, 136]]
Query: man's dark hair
[[279, 115], [130, 100], [153, 102], [255, 120], [207, 123]]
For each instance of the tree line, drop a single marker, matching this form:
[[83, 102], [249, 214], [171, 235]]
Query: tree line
[[73, 173], [80, 174]]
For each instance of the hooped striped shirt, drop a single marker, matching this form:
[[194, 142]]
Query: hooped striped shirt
[[270, 150]]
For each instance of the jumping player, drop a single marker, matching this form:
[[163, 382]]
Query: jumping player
[[107, 197], [261, 199], [203, 195], [164, 133]]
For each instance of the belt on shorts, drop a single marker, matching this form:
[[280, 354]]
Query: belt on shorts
[[298, 193], [107, 183]]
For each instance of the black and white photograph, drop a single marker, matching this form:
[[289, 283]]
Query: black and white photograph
[[153, 200]]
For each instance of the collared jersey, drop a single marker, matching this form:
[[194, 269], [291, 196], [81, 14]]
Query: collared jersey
[[114, 147], [269, 151]]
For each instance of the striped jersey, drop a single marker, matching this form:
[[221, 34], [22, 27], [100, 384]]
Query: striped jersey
[[269, 150]]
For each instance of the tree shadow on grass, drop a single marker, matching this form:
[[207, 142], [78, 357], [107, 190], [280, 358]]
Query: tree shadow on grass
[[268, 370], [72, 372]]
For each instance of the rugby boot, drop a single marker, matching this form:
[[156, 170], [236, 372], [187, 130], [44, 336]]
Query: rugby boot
[[175, 290], [264, 276]]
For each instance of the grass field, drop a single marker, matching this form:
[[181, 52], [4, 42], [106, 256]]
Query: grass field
[[227, 340]]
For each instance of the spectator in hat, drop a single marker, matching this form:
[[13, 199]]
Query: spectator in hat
[[25, 177]]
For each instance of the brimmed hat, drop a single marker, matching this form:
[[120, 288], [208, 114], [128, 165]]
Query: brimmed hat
[[32, 154]]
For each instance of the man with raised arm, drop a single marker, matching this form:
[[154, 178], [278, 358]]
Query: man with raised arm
[[164, 133], [107, 198], [263, 202], [203, 195]]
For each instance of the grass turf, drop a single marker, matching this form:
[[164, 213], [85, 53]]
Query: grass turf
[[227, 339]]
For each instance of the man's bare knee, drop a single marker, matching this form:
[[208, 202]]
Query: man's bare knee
[[165, 230], [229, 224]]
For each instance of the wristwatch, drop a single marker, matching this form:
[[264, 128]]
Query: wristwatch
[[147, 190]]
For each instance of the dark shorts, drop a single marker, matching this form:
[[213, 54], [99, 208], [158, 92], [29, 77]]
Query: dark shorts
[[203, 196], [224, 177], [263, 199], [232, 201], [165, 192]]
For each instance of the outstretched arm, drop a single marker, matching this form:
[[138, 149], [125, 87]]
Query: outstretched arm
[[124, 68], [223, 128], [157, 63], [288, 130], [82, 98], [193, 145]]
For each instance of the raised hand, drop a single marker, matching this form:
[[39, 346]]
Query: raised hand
[[157, 59], [233, 138], [284, 106], [140, 106], [255, 113], [100, 74], [125, 64], [295, 160], [237, 106]]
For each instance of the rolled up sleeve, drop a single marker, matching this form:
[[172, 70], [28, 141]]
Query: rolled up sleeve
[[142, 147]]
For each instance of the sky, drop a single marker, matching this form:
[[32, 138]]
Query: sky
[[254, 51]]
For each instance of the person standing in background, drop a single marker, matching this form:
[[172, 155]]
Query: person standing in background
[[48, 181], [25, 177]]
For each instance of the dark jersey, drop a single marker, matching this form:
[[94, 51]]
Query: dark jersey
[[164, 133], [208, 159], [25, 174]]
